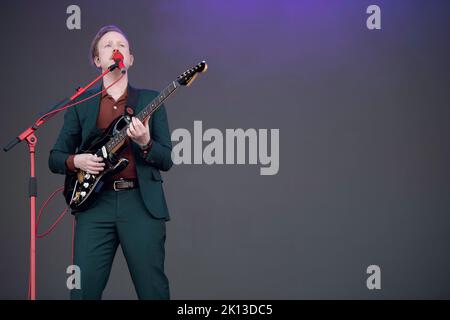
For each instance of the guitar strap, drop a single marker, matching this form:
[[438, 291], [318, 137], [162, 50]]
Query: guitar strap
[[132, 101]]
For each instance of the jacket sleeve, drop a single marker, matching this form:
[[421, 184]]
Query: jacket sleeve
[[68, 141], [159, 155]]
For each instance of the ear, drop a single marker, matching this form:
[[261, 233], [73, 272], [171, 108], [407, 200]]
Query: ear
[[131, 60], [97, 62]]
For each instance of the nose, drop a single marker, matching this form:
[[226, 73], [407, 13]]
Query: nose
[[116, 53]]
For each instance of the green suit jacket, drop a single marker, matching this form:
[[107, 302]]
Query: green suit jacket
[[80, 126]]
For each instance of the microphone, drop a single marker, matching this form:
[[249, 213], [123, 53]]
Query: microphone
[[118, 59]]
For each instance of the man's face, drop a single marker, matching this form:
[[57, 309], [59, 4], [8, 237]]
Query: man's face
[[109, 42]]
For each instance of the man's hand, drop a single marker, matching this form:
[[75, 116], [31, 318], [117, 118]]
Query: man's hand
[[139, 132], [89, 163]]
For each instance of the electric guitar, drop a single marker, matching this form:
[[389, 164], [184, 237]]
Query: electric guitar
[[82, 188]]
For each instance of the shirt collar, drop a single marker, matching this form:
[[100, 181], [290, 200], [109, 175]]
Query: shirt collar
[[122, 97]]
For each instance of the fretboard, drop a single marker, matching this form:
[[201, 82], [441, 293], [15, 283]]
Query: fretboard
[[144, 114]]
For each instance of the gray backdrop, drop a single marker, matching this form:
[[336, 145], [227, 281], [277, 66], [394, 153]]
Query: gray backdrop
[[364, 159]]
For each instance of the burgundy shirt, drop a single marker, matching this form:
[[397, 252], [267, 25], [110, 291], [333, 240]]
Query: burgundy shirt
[[110, 110]]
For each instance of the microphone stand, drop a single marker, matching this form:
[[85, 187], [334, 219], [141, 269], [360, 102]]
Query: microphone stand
[[30, 137]]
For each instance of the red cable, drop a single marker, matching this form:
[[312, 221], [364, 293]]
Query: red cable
[[40, 215]]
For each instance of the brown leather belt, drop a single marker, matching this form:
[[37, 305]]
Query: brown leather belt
[[122, 184]]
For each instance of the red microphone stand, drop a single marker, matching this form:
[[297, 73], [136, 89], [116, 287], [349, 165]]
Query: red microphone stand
[[31, 139]]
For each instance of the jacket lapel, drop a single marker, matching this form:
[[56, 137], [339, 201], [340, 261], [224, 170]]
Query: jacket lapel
[[92, 109]]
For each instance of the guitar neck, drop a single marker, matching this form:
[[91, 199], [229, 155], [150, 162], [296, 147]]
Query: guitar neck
[[143, 114], [157, 102]]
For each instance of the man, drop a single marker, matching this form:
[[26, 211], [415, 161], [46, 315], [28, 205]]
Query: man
[[132, 210]]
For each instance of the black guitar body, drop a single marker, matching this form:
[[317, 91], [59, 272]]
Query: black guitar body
[[81, 189]]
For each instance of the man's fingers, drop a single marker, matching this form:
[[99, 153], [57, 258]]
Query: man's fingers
[[96, 164], [96, 158], [129, 133], [94, 170], [132, 129], [137, 124]]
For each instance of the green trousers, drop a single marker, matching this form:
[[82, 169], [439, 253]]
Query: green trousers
[[120, 217]]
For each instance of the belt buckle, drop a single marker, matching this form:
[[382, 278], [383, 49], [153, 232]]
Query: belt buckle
[[114, 184]]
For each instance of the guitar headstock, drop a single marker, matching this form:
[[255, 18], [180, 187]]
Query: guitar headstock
[[186, 78]]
